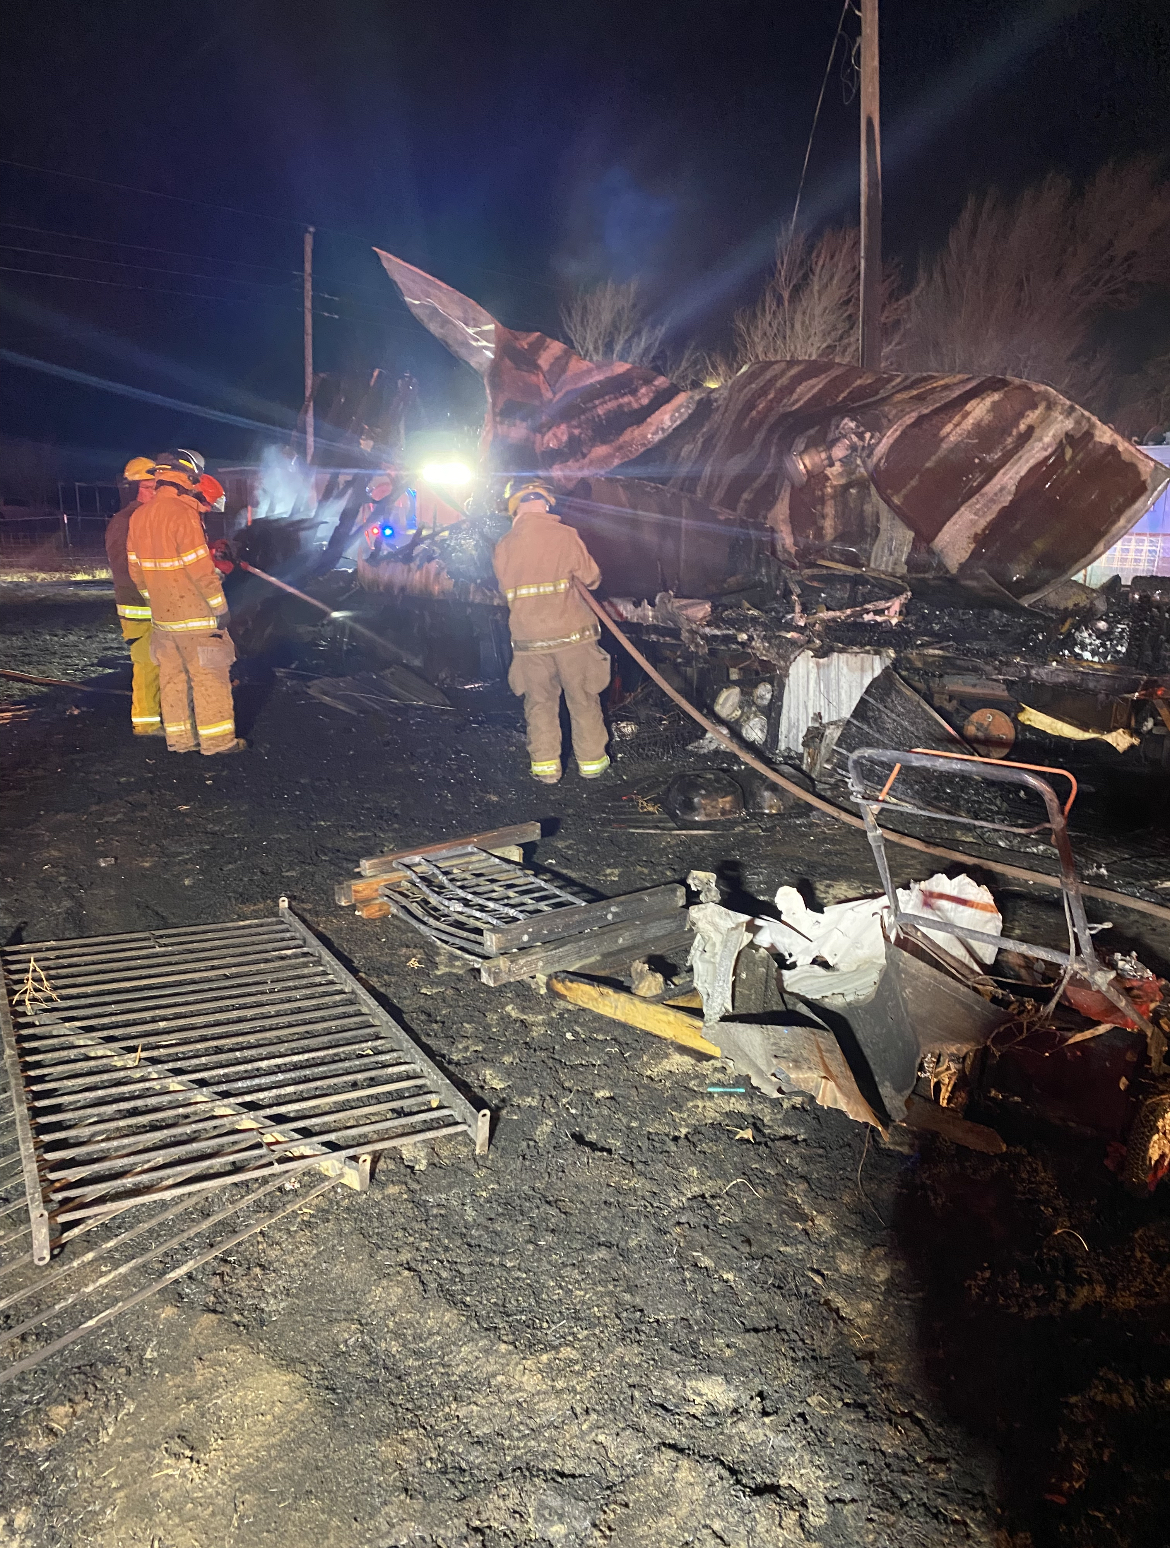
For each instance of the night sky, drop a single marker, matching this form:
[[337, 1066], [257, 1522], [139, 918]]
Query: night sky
[[513, 150]]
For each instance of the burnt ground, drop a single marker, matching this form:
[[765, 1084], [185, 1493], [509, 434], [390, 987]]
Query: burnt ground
[[652, 1315]]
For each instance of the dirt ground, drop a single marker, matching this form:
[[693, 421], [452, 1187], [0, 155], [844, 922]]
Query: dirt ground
[[653, 1315]]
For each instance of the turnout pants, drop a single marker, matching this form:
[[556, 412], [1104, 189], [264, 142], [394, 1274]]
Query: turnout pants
[[581, 673], [196, 690], [144, 703]]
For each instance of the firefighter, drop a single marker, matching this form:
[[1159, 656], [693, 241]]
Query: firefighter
[[133, 608], [554, 634], [169, 561]]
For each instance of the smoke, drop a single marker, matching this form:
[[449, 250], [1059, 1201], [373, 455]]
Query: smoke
[[285, 491]]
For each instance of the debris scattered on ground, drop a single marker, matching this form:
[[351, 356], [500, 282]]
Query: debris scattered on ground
[[373, 691], [703, 797]]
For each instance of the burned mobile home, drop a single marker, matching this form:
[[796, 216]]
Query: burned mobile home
[[811, 544]]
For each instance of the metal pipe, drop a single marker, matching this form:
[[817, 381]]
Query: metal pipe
[[1082, 957], [225, 1123], [200, 1104], [164, 973], [33, 948], [188, 1070], [82, 1208], [95, 1252], [83, 1197], [77, 972], [250, 1086], [240, 1008], [124, 1099], [53, 1067], [37, 1214], [210, 1147], [166, 1000], [162, 1009]]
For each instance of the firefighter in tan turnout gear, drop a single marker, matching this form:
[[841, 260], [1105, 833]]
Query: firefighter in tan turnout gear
[[554, 634], [133, 608], [169, 562]]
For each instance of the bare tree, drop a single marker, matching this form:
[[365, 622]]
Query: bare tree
[[809, 309], [1143, 401], [609, 323], [1021, 284]]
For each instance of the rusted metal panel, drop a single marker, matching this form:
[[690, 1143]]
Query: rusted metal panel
[[547, 408], [649, 539], [1005, 481]]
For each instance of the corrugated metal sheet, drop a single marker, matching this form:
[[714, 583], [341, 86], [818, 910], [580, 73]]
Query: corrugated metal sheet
[[1008, 484], [547, 408], [828, 686]]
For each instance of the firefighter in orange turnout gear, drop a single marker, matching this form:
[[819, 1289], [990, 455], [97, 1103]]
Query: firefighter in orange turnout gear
[[554, 634], [169, 561], [133, 608]]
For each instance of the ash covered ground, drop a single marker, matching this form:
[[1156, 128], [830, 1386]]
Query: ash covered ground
[[652, 1315]]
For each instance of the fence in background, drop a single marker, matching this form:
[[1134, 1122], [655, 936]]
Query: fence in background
[[1145, 548], [52, 536]]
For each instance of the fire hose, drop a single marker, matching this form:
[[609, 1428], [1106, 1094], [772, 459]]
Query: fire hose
[[323, 607], [59, 682], [1016, 872]]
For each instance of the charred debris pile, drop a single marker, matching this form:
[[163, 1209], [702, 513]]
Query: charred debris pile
[[829, 558], [837, 658], [806, 664]]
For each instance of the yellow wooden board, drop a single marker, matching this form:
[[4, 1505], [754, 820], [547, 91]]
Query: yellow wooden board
[[678, 1026]]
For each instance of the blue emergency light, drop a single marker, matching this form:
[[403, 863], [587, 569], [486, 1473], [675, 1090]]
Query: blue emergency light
[[387, 532]]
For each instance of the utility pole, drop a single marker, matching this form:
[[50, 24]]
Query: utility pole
[[309, 343], [871, 192]]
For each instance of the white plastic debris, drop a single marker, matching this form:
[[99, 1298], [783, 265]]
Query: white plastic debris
[[838, 955], [956, 900], [719, 937]]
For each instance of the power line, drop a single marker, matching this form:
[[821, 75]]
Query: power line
[[229, 209], [817, 114], [142, 247], [146, 290], [141, 394], [151, 193], [194, 295], [145, 268]]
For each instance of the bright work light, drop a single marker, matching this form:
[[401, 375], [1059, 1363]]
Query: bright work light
[[449, 474]]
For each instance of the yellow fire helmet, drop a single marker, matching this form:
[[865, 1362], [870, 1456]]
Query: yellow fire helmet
[[518, 488], [138, 470]]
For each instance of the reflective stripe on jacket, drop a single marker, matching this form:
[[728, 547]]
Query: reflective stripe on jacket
[[168, 560], [535, 564]]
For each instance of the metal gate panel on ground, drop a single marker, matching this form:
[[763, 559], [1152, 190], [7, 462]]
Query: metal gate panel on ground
[[161, 1062], [455, 895]]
